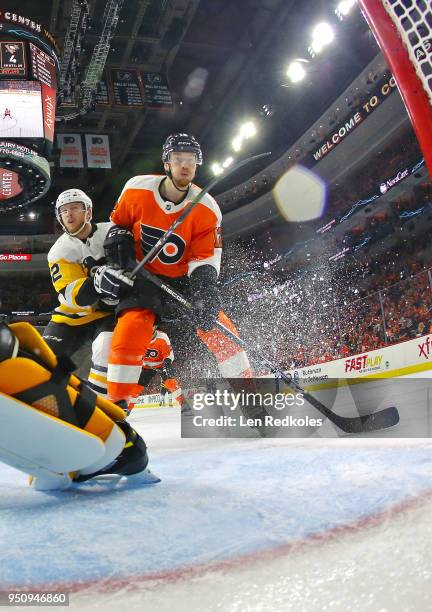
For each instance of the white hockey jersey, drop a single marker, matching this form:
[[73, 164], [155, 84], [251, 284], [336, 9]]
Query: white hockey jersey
[[71, 262]]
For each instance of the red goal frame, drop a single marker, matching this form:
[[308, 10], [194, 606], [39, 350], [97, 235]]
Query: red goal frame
[[410, 86]]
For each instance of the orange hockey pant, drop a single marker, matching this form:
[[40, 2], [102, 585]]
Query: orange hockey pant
[[133, 334]]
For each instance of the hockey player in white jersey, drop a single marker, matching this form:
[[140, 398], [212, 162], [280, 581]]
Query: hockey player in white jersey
[[87, 289]]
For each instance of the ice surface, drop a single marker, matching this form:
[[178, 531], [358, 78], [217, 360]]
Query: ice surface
[[234, 525]]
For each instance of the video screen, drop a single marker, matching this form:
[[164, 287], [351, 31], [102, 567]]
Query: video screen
[[21, 110]]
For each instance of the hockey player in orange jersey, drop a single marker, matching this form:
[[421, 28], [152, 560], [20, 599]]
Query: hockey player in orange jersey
[[159, 357], [146, 208]]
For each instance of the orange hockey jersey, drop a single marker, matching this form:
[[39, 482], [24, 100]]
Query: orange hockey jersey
[[158, 350], [197, 241]]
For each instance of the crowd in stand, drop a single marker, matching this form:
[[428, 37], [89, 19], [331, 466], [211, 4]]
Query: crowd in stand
[[307, 320], [404, 152], [314, 320]]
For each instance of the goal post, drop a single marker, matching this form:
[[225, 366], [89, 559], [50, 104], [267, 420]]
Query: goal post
[[403, 29]]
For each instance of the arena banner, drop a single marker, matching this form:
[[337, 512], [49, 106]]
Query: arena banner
[[155, 400], [156, 91], [383, 89], [126, 88], [385, 185], [409, 358], [71, 150], [15, 256], [49, 108], [381, 189], [98, 151], [9, 184], [394, 180]]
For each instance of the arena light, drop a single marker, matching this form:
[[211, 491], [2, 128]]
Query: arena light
[[236, 143], [322, 35], [296, 72], [32, 215], [228, 162], [216, 168], [248, 130], [344, 7]]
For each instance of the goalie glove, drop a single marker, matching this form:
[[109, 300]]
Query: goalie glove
[[119, 248], [111, 283]]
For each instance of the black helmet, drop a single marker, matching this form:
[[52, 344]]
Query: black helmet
[[181, 142]]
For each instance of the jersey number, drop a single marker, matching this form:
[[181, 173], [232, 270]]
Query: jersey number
[[171, 252], [55, 273]]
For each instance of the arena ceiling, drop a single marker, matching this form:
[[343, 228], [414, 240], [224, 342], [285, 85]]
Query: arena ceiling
[[241, 49]]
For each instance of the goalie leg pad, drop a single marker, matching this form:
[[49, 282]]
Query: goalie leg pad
[[114, 445], [48, 417], [50, 482], [39, 444]]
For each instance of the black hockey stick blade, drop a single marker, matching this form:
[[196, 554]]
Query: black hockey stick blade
[[164, 239], [383, 419]]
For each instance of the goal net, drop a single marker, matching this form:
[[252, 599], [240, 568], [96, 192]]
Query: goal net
[[403, 29]]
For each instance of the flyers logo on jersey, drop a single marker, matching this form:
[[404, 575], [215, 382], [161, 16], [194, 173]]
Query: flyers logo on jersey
[[173, 250]]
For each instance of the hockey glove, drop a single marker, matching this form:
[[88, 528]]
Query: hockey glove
[[205, 297], [168, 369], [111, 283], [119, 248]]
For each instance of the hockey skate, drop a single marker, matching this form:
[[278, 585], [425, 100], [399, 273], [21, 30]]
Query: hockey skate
[[132, 461]]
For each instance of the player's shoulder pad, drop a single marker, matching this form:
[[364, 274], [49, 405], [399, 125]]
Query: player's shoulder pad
[[160, 335], [66, 247], [209, 201], [103, 228], [97, 239], [142, 181]]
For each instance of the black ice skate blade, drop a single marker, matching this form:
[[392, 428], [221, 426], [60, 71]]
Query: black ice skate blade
[[119, 481]]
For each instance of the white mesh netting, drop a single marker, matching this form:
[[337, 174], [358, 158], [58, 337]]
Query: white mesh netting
[[413, 20]]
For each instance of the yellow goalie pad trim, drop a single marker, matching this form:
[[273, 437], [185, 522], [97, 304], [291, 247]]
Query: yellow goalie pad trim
[[32, 342]]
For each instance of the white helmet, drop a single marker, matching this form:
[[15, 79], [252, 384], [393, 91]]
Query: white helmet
[[73, 195]]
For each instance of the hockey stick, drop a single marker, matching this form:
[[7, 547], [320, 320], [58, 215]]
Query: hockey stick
[[362, 424], [164, 239]]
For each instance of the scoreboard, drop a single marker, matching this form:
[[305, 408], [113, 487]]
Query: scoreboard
[[43, 67], [12, 59], [29, 68]]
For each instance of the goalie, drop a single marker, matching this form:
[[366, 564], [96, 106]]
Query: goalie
[[54, 427]]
